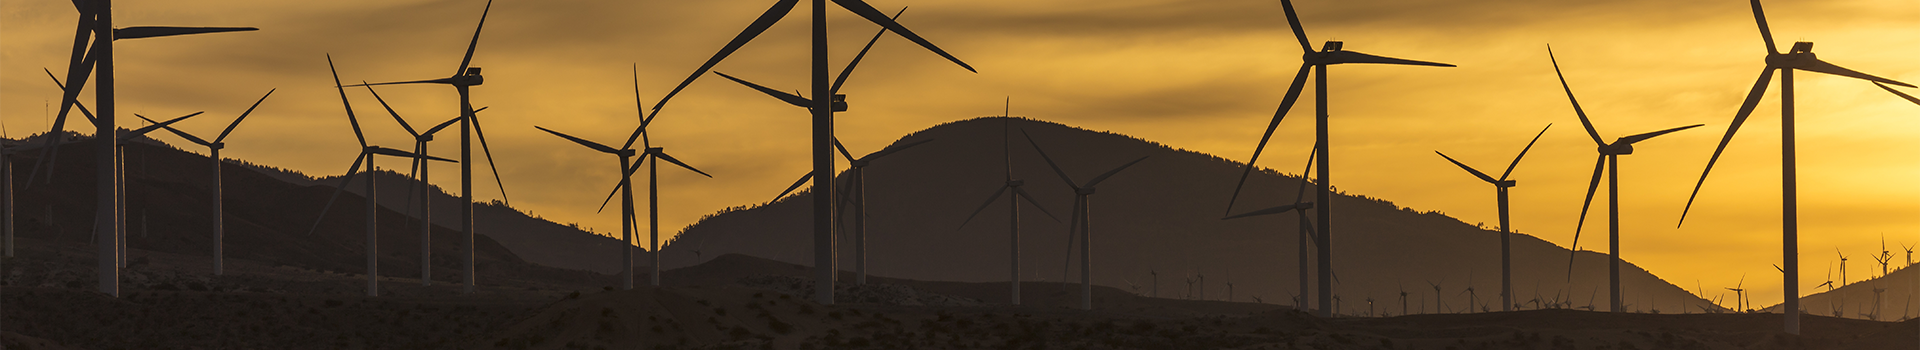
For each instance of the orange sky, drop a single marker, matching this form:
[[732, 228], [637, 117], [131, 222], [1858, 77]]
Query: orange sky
[[1199, 75]]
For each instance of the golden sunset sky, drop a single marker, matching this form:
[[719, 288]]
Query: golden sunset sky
[[1199, 75]]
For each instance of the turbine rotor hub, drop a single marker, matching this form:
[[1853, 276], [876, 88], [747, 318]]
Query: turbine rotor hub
[[1016, 183], [218, 145], [1506, 184], [1083, 191], [1616, 149]]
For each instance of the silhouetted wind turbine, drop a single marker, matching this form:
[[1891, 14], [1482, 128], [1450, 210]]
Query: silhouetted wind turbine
[[1843, 265], [1506, 247], [1013, 209], [1740, 295], [1437, 303], [626, 202], [372, 192], [464, 78], [1330, 54], [219, 206], [1299, 207], [420, 168], [1799, 57], [823, 201], [1609, 154], [856, 187], [1082, 218], [120, 176], [93, 39]]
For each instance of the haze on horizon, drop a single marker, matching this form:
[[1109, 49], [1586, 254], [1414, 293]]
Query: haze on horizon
[[1198, 75]]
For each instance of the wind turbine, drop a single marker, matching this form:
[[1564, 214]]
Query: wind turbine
[[823, 201], [626, 186], [1608, 160], [1799, 57], [1403, 300], [1437, 303], [93, 51], [219, 205], [1740, 295], [372, 192], [1083, 218], [1500, 189], [1330, 54], [420, 140], [1299, 206], [1156, 279], [1885, 255], [120, 188], [463, 79], [857, 186], [1013, 209], [1843, 265]]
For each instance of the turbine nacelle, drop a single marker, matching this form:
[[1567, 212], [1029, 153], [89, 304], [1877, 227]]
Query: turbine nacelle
[[472, 78], [1084, 191], [839, 103], [1016, 183], [626, 153], [859, 163], [1617, 149], [217, 145], [1801, 55], [1505, 184]]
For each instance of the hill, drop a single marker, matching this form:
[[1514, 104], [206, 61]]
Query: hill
[[1161, 216]]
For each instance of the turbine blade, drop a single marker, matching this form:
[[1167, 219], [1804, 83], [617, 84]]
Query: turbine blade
[[1816, 65], [759, 25], [844, 73], [413, 171], [144, 130], [1339, 57], [1643, 137], [449, 122], [343, 101], [1300, 194], [792, 99], [641, 109], [243, 116], [662, 155], [796, 185], [1593, 185], [482, 133], [428, 81], [1072, 230], [79, 68], [590, 144], [177, 132], [1576, 102], [1476, 173], [1523, 152], [1746, 109], [1036, 204], [152, 32], [1043, 156], [344, 180], [1286, 104], [399, 153], [1765, 34], [1267, 211], [1294, 21], [983, 205], [396, 115], [873, 15], [1109, 173], [843, 149], [468, 59], [1909, 98], [891, 149]]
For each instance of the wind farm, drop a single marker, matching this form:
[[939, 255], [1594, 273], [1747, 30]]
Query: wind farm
[[1153, 103]]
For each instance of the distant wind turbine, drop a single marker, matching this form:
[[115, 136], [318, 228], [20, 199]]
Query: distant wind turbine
[[1799, 57], [219, 205], [1299, 207], [1608, 160], [1013, 209], [372, 192], [1331, 54], [1506, 230], [1082, 217], [464, 78], [419, 167]]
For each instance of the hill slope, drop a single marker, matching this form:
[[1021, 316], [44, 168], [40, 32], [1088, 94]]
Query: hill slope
[[1162, 215]]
